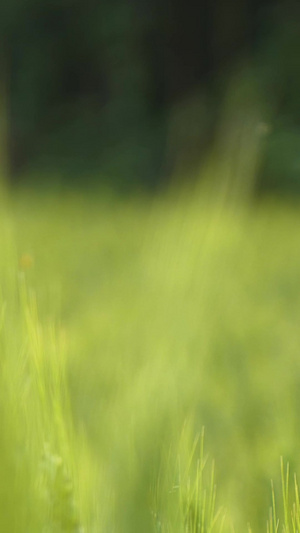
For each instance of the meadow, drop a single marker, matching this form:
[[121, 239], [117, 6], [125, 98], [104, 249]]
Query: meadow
[[150, 369]]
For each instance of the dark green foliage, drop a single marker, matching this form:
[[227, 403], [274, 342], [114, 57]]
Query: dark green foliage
[[95, 88]]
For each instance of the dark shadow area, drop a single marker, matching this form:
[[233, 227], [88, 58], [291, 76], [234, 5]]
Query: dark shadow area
[[125, 93]]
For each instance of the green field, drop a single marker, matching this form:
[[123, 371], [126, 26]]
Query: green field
[[128, 326]]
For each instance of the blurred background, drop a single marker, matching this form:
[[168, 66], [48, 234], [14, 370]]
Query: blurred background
[[127, 94], [172, 303]]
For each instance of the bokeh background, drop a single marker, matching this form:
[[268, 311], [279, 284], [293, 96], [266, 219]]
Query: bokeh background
[[122, 93], [149, 237]]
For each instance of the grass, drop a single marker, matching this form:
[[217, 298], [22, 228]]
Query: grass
[[125, 328]]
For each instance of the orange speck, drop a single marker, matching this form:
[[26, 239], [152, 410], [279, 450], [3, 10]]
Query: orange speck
[[26, 261]]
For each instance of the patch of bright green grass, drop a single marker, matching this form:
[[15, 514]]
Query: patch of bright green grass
[[120, 321]]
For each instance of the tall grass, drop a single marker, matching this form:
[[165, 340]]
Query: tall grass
[[185, 492], [119, 322], [39, 484], [286, 519]]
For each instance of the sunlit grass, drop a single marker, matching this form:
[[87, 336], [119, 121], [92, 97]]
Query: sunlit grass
[[120, 321]]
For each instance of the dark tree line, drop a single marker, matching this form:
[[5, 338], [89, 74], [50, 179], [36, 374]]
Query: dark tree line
[[91, 86]]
